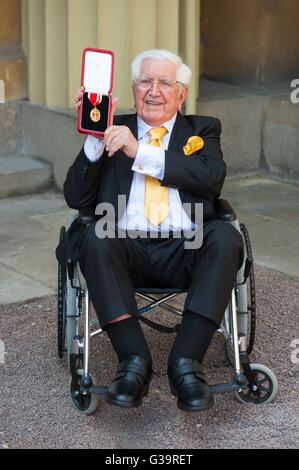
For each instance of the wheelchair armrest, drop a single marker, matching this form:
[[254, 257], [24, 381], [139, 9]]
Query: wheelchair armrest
[[85, 217], [225, 210]]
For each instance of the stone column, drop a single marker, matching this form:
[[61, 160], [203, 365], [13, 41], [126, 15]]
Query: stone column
[[36, 50], [55, 32], [82, 32], [56, 63], [142, 25], [189, 47], [167, 21], [113, 34]]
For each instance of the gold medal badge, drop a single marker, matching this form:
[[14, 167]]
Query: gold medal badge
[[95, 99], [95, 115]]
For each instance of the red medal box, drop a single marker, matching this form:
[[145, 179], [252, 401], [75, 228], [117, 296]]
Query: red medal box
[[95, 114]]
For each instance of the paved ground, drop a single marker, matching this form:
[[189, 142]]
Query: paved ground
[[34, 399], [36, 411], [270, 210]]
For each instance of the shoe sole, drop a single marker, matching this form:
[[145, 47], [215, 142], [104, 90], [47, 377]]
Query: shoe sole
[[123, 404], [126, 404], [184, 407]]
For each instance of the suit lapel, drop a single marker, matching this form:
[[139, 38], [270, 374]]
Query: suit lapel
[[180, 133], [123, 163]]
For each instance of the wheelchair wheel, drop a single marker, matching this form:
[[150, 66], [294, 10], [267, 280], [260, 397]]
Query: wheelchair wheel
[[227, 327], [85, 404], [72, 321], [246, 306], [267, 387], [61, 319], [251, 296]]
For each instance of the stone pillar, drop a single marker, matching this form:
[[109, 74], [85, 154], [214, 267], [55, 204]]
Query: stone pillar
[[36, 50], [142, 25], [24, 25], [56, 63], [55, 32], [189, 47], [113, 27], [82, 32], [167, 21]]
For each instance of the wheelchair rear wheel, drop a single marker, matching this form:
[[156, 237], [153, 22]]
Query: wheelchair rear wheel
[[72, 317], [61, 319], [251, 297], [68, 310], [246, 306]]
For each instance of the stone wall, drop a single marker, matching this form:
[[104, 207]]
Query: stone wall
[[260, 132]]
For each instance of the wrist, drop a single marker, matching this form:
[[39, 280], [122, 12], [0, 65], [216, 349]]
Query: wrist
[[132, 151], [135, 151]]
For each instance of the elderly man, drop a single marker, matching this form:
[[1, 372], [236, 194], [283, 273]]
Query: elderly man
[[149, 158]]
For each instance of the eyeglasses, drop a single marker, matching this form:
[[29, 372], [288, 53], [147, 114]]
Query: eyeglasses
[[147, 84]]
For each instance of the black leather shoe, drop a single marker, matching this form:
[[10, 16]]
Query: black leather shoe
[[131, 383], [187, 382]]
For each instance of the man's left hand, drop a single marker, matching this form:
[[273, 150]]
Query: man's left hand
[[120, 138]]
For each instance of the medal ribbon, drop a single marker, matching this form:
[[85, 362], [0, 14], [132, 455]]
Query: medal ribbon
[[95, 98]]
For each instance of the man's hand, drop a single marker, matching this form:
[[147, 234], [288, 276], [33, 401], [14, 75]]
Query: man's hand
[[79, 98], [120, 138]]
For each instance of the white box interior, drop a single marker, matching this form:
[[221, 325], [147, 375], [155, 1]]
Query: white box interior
[[97, 72]]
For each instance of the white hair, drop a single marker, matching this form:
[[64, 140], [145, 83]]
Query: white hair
[[183, 74]]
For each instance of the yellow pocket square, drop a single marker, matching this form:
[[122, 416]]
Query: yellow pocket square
[[194, 144]]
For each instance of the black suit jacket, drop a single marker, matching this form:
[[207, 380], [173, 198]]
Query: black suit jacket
[[198, 177]]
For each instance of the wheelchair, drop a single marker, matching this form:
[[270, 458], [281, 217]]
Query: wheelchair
[[251, 382]]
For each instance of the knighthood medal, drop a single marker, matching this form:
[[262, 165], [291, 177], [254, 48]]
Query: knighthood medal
[[95, 99]]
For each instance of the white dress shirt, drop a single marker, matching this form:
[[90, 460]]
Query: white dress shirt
[[150, 160]]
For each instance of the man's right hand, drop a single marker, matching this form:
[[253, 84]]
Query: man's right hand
[[79, 98]]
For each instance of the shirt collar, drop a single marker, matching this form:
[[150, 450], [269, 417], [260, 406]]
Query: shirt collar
[[144, 128]]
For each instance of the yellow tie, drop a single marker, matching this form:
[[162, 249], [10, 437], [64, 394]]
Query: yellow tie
[[156, 196]]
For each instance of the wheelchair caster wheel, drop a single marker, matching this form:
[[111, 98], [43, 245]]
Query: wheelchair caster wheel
[[85, 404], [267, 387]]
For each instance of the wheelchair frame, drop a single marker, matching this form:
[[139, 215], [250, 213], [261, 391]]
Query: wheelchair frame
[[249, 379]]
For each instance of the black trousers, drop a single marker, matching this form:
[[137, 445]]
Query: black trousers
[[112, 267]]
